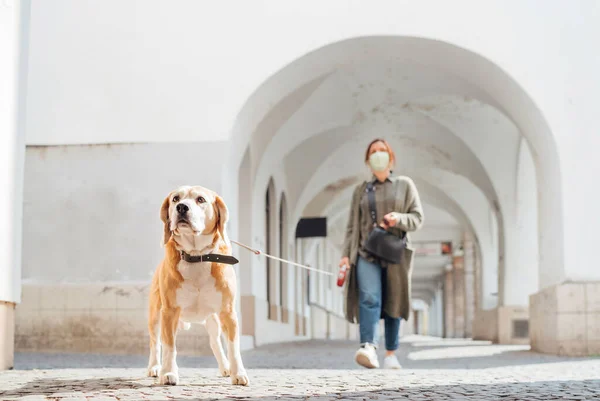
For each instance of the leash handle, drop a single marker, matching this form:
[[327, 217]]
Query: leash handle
[[289, 262]]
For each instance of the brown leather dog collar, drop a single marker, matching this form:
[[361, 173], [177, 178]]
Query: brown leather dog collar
[[209, 257]]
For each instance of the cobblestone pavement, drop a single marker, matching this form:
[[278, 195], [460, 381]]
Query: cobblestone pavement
[[317, 370]]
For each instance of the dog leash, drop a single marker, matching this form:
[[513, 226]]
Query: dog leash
[[289, 262]]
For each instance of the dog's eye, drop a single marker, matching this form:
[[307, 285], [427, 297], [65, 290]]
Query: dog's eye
[[176, 199], [201, 200]]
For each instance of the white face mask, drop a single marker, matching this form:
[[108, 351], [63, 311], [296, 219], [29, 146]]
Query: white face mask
[[379, 161]]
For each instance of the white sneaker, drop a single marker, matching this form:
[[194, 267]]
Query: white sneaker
[[391, 362], [367, 356]]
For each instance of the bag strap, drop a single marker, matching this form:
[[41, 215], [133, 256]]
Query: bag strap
[[373, 209], [403, 233], [371, 197]]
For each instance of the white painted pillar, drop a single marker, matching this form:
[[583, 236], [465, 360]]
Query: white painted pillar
[[435, 312], [578, 142], [448, 302], [424, 322], [432, 329], [14, 23], [433, 317], [300, 282], [571, 278], [478, 278], [440, 310], [291, 281], [469, 267], [521, 275], [489, 271]]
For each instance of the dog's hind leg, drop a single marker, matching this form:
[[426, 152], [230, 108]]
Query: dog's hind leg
[[154, 329], [213, 326]]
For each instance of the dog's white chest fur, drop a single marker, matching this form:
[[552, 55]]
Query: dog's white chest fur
[[197, 296]]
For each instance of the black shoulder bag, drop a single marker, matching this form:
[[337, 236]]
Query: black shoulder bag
[[381, 243]]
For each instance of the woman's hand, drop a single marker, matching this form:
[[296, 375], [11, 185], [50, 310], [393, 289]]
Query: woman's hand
[[345, 261], [389, 220]]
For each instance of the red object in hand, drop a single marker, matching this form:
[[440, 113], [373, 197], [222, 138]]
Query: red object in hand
[[342, 275]]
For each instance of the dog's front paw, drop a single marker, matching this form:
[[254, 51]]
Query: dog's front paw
[[241, 378], [153, 371], [170, 379], [225, 372]]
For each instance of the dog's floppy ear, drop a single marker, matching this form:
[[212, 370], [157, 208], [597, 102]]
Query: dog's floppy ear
[[222, 215], [164, 216]]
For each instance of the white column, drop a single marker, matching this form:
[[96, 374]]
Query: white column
[[478, 279], [489, 271], [459, 292], [434, 316], [578, 142], [432, 329], [440, 310], [14, 20], [300, 286], [521, 275], [469, 266], [448, 302]]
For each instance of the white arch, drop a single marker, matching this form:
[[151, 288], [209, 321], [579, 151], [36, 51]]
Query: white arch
[[418, 140], [492, 82]]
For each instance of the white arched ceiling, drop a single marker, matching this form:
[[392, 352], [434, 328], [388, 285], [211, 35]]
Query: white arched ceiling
[[356, 95], [419, 139], [416, 63], [483, 81]]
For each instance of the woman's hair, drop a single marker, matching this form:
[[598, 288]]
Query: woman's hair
[[387, 147]]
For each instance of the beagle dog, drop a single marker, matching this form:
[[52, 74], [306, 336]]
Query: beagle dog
[[195, 283]]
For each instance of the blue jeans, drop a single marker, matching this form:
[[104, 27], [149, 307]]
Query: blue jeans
[[371, 281]]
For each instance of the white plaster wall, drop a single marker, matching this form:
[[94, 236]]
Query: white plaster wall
[[185, 41], [79, 94], [91, 213]]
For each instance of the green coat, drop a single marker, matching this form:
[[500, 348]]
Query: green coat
[[409, 214]]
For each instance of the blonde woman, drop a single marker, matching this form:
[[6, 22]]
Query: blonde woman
[[376, 289]]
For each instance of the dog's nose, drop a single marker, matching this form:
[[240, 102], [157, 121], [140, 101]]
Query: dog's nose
[[182, 208]]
